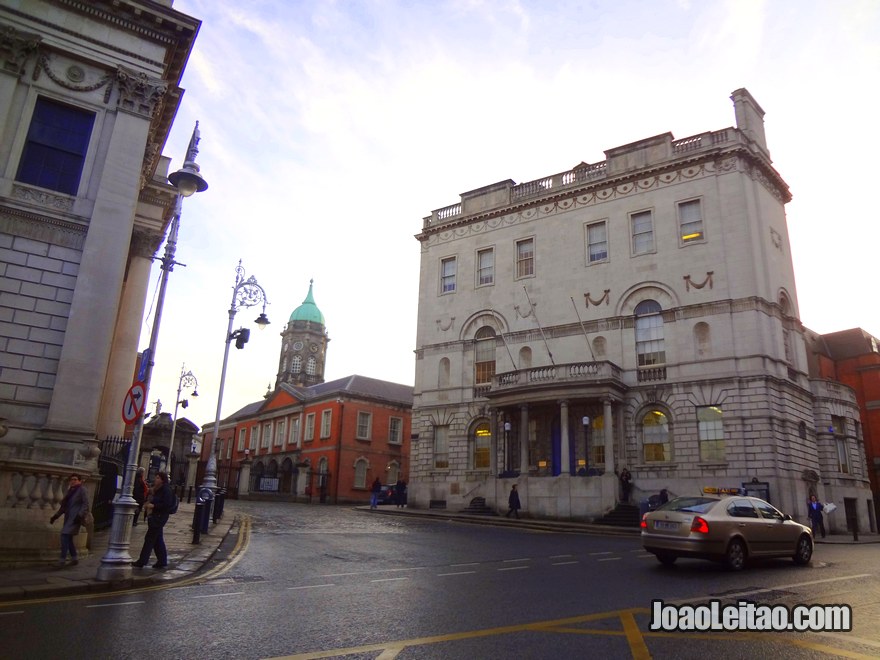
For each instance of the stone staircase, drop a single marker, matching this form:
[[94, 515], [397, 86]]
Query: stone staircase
[[478, 507], [623, 515]]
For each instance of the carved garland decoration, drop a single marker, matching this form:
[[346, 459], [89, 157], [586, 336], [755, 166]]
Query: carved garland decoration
[[588, 300], [74, 74], [688, 282]]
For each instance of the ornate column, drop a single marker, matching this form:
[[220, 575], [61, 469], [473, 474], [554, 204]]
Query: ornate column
[[564, 441], [524, 439], [608, 423], [493, 447]]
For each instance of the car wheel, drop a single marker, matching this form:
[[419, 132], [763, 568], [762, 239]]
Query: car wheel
[[735, 558], [666, 558], [804, 551]]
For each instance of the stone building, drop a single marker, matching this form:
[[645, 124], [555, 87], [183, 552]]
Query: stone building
[[311, 440], [88, 92], [636, 312]]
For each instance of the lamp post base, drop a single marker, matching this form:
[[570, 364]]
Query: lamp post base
[[116, 563]]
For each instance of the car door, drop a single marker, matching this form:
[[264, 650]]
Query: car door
[[781, 537], [748, 523]]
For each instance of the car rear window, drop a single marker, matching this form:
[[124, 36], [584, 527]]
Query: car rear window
[[689, 504]]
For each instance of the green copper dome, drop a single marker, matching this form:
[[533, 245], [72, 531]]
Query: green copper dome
[[308, 311]]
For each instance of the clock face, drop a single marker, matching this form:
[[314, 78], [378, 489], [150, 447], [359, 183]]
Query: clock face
[[313, 348], [297, 345]]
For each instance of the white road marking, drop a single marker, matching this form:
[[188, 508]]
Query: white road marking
[[384, 570], [563, 563], [231, 593], [473, 563], [9, 613], [596, 554], [313, 586], [513, 568], [610, 559], [130, 602], [508, 561], [389, 579], [459, 573], [559, 556]]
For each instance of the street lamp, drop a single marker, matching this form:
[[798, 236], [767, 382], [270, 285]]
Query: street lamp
[[187, 379], [245, 293], [116, 563]]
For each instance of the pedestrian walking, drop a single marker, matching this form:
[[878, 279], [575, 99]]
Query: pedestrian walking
[[625, 485], [375, 490], [400, 493], [140, 491], [513, 503], [74, 507], [814, 510], [158, 510]]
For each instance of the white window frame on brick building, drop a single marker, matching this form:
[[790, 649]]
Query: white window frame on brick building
[[395, 430], [266, 440], [279, 433], [364, 425], [310, 427], [326, 423]]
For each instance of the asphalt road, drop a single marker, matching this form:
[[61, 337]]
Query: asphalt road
[[319, 581]]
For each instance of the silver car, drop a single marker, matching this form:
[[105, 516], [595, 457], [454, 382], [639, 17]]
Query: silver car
[[729, 529]]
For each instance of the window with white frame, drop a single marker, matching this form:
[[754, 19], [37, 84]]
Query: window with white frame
[[485, 266], [525, 258], [480, 447], [296, 364], [710, 429], [326, 417], [55, 149], [242, 433], [650, 344], [395, 430], [597, 242], [310, 427], [655, 436], [441, 447], [279, 433], [360, 473], [393, 470], [255, 434], [484, 355], [364, 425], [838, 428], [294, 431], [642, 227], [267, 435], [690, 221], [229, 444], [448, 267], [311, 366]]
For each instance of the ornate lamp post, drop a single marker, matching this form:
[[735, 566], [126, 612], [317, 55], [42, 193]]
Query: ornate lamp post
[[187, 379], [116, 563], [245, 293]]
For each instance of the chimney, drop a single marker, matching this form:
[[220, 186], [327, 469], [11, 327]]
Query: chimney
[[750, 119]]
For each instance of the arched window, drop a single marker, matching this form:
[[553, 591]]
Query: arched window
[[360, 473], [481, 443], [443, 373], [649, 334], [296, 364], [525, 358], [311, 366], [322, 473], [484, 355], [393, 472], [655, 436]]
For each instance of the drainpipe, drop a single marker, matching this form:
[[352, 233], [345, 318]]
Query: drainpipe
[[339, 448]]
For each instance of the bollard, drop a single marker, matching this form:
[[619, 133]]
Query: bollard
[[219, 501], [189, 495], [197, 520]]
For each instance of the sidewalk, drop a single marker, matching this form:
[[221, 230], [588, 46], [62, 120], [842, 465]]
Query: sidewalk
[[184, 560]]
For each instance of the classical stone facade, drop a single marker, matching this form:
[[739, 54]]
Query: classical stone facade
[[637, 312], [88, 92]]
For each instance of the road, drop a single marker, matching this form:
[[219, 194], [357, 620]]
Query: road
[[320, 581]]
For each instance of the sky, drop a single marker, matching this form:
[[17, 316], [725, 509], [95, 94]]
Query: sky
[[330, 129]]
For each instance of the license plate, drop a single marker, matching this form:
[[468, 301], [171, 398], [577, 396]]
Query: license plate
[[664, 524]]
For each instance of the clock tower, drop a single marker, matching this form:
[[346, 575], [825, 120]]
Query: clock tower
[[303, 346]]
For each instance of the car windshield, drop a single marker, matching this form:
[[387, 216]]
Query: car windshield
[[689, 504]]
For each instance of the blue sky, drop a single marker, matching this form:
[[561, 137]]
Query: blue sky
[[330, 129]]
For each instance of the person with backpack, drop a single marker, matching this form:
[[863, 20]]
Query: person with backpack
[[160, 506], [140, 491]]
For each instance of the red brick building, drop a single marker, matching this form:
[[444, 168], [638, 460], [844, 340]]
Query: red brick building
[[310, 440], [852, 357]]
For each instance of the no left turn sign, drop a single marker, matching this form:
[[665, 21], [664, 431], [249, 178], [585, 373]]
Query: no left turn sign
[[135, 400]]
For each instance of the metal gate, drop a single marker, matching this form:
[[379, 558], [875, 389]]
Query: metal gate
[[111, 466]]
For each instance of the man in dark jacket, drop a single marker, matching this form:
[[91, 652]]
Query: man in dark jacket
[[513, 502], [158, 509], [814, 510], [139, 492], [74, 508]]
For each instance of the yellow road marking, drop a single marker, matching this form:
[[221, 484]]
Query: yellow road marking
[[634, 637], [244, 532]]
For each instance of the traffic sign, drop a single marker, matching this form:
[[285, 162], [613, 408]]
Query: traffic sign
[[135, 400]]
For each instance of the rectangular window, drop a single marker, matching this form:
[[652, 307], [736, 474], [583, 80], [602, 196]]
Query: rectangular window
[[279, 433], [56, 146], [485, 267], [838, 428], [294, 431], [441, 447], [326, 417], [255, 435], [267, 435], [395, 431], [241, 438], [525, 258], [447, 275], [642, 224], [690, 221], [711, 432], [597, 242], [365, 421], [360, 474], [229, 449], [310, 427]]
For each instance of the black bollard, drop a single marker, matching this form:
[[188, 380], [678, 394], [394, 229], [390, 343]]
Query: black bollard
[[197, 523]]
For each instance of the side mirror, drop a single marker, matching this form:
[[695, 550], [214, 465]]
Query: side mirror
[[786, 517]]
